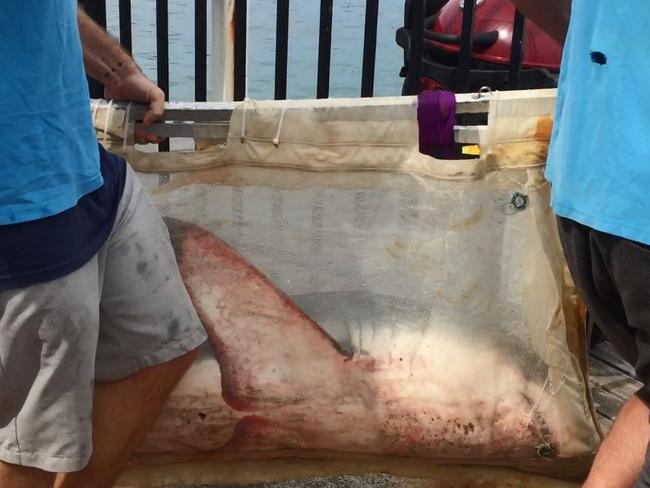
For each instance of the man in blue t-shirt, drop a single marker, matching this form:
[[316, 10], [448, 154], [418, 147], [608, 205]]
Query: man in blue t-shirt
[[96, 327], [599, 168]]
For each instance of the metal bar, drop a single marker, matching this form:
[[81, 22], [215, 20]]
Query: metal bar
[[218, 132], [222, 111], [162, 53], [281, 49], [466, 46], [203, 130], [370, 48], [200, 50], [241, 11], [126, 38], [416, 48], [324, 49], [516, 51]]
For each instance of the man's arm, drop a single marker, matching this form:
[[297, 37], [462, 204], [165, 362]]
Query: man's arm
[[550, 15], [108, 63], [620, 459]]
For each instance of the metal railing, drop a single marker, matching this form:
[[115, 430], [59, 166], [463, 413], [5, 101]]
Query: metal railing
[[414, 26]]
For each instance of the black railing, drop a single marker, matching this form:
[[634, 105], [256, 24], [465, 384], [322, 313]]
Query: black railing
[[517, 49], [324, 48], [281, 49], [241, 38], [412, 37], [200, 50], [423, 59], [126, 38], [370, 48]]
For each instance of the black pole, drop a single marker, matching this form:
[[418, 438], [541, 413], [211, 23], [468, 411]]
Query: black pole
[[466, 46], [370, 48], [96, 10], [324, 49], [281, 49], [125, 25], [416, 48], [162, 53], [200, 50], [240, 49], [516, 51]]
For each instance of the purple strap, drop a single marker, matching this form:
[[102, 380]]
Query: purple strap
[[436, 120]]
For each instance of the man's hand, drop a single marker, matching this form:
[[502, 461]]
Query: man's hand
[[138, 88], [108, 63]]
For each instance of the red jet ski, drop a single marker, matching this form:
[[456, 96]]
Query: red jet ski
[[494, 22]]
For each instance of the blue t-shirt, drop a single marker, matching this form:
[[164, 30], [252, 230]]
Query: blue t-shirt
[[58, 204], [48, 149], [42, 250], [599, 161]]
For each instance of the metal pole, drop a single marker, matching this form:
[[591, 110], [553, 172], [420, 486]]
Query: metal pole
[[324, 49], [516, 51], [416, 48], [281, 49], [162, 53], [241, 24], [369, 48], [466, 46], [125, 25], [200, 50]]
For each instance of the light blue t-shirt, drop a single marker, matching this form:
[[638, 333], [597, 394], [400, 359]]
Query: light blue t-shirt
[[599, 161], [48, 149]]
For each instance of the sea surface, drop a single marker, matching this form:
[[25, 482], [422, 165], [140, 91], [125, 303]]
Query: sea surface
[[347, 46]]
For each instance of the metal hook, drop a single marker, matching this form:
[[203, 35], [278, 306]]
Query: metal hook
[[484, 91]]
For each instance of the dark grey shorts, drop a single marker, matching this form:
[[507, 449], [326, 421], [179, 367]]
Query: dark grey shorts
[[613, 279], [612, 275]]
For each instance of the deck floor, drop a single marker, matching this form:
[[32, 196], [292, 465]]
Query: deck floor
[[612, 382]]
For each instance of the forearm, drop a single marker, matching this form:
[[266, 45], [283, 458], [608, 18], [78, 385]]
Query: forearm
[[550, 15], [621, 457], [104, 58]]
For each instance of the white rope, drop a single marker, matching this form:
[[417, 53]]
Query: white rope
[[96, 105], [527, 184], [126, 127], [538, 399], [243, 122], [276, 139], [107, 120]]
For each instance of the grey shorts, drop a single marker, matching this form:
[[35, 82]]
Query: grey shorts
[[124, 310]]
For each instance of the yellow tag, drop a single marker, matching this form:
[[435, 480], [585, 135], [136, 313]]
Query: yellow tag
[[472, 150]]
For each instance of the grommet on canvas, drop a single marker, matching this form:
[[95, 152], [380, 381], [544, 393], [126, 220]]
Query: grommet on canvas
[[546, 451], [519, 201]]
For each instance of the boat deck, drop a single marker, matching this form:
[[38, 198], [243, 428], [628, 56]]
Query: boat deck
[[612, 382]]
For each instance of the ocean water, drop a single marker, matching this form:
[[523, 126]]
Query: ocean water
[[347, 46]]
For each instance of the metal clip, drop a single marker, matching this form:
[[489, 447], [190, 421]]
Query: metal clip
[[519, 201], [484, 91]]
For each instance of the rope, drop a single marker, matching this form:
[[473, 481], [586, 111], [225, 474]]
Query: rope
[[108, 119], [276, 139], [243, 122], [126, 127]]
